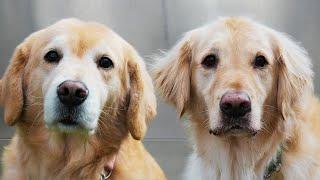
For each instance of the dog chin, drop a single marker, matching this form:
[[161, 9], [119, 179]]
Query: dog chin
[[68, 129]]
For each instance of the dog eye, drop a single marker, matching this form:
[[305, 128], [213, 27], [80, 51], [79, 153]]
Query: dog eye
[[210, 61], [52, 56], [260, 62], [105, 62]]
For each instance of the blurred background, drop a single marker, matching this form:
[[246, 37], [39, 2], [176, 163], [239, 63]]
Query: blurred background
[[151, 26]]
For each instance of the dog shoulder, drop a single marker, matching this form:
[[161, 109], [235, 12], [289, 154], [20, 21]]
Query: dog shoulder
[[135, 162]]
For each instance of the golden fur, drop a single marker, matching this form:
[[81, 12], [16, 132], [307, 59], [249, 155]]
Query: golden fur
[[38, 153], [284, 108]]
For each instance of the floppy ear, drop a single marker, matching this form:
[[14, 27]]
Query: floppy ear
[[294, 75], [172, 74], [11, 90], [142, 102]]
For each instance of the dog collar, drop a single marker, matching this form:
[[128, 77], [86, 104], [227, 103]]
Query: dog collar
[[274, 166], [108, 169]]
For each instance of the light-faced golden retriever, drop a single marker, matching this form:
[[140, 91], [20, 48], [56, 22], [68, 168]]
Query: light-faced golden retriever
[[248, 92], [80, 98]]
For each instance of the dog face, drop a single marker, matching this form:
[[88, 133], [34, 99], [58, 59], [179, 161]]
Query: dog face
[[236, 72], [77, 83], [80, 72]]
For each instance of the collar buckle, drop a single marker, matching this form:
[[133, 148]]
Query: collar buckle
[[275, 165], [108, 168], [105, 175]]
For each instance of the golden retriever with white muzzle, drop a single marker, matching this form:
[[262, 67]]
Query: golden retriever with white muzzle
[[248, 92], [80, 99]]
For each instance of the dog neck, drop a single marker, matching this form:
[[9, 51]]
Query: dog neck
[[51, 154], [243, 158]]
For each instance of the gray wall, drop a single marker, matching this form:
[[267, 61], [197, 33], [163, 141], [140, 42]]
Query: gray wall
[[151, 25]]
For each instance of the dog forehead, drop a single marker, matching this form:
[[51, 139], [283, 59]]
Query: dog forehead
[[242, 31], [236, 33], [80, 37]]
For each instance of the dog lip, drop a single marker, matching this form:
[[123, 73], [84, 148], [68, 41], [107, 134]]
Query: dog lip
[[235, 129], [215, 132], [68, 121], [68, 116]]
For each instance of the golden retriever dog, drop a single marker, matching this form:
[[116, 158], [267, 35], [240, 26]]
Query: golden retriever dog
[[248, 92], [80, 98]]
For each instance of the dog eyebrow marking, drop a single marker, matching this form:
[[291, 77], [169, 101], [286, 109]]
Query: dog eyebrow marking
[[57, 42], [84, 38]]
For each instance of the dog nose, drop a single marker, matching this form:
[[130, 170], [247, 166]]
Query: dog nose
[[235, 104], [72, 93]]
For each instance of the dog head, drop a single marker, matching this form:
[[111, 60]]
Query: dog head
[[235, 74], [79, 74]]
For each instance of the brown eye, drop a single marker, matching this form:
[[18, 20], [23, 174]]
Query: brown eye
[[210, 61], [105, 62], [260, 62], [52, 56]]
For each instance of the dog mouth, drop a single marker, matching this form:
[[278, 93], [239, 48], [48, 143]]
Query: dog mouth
[[68, 125], [233, 130], [237, 129], [234, 126], [69, 116], [69, 121]]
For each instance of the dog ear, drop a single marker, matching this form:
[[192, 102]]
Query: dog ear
[[294, 75], [172, 74], [142, 101], [11, 90]]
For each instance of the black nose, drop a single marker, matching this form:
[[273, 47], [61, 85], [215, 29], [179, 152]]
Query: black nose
[[72, 93], [235, 104]]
